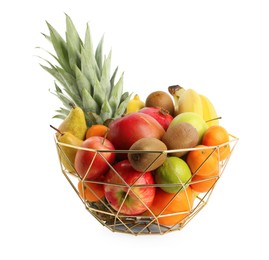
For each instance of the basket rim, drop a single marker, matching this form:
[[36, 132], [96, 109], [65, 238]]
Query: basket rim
[[233, 140]]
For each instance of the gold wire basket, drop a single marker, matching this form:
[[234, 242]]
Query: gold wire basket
[[143, 224]]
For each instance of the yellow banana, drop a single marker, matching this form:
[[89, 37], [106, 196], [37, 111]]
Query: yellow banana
[[190, 102], [209, 111], [186, 100], [134, 104]]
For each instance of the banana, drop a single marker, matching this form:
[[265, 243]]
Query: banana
[[134, 104], [209, 112], [186, 100], [190, 101]]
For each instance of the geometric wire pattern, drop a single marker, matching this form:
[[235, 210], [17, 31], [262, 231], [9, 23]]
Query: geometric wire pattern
[[143, 224]]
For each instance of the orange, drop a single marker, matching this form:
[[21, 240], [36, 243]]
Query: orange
[[203, 160], [91, 191], [217, 136], [178, 205], [97, 130], [203, 184]]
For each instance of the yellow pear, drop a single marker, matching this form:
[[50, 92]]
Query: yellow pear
[[67, 154], [74, 123]]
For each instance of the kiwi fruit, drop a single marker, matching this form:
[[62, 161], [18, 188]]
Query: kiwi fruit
[[180, 136], [147, 154], [160, 99]]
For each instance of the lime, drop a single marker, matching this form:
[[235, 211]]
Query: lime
[[174, 172]]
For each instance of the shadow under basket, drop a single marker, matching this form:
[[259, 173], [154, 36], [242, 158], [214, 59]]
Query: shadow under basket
[[163, 221]]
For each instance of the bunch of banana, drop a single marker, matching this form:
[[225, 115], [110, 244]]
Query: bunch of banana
[[134, 104], [190, 101]]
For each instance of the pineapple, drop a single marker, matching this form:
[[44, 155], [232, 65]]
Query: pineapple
[[82, 77]]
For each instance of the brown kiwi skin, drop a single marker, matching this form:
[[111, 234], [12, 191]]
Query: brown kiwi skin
[[145, 160], [180, 136], [160, 99]]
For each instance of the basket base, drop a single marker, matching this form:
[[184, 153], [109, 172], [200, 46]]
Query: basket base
[[141, 225]]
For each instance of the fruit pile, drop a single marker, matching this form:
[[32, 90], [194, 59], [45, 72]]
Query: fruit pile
[[138, 166]]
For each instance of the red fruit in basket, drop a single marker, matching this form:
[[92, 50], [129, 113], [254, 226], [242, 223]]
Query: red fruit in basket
[[128, 191], [92, 163], [126, 130], [160, 114]]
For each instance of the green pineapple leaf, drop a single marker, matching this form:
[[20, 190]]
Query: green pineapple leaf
[[60, 48], [73, 42], [88, 70], [122, 107], [65, 100], [66, 80], [89, 52], [106, 110], [93, 119], [62, 113], [105, 77], [50, 55], [59, 116], [82, 81], [112, 80], [124, 96], [99, 54], [89, 104], [116, 93]]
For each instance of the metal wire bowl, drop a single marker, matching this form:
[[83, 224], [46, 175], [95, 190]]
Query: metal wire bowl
[[143, 224]]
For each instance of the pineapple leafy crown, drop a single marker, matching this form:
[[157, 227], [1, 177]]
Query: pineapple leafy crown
[[82, 76]]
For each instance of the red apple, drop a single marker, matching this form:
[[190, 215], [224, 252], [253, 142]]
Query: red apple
[[91, 163], [128, 191]]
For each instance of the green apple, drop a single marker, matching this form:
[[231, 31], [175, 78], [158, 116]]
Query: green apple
[[174, 172], [194, 119]]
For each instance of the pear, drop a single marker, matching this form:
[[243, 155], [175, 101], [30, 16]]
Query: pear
[[67, 154], [74, 123]]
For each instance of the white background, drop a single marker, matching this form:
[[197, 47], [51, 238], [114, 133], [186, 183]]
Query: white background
[[219, 48]]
